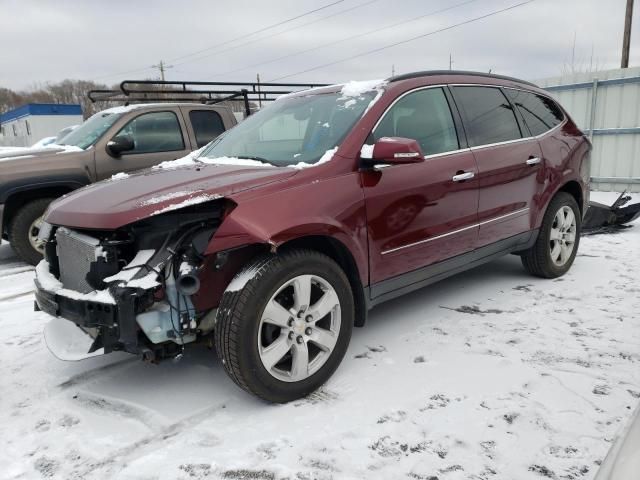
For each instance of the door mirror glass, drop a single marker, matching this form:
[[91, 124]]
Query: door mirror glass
[[119, 144], [396, 150]]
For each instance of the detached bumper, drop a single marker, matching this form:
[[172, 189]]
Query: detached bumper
[[113, 326]]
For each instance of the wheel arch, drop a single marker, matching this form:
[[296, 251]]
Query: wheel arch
[[21, 197], [338, 252], [573, 188]]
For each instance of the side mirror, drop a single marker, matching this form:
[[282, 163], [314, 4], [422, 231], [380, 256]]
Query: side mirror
[[395, 151], [120, 144]]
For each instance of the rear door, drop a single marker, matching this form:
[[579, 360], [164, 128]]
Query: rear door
[[417, 214], [203, 125], [157, 136], [509, 160]]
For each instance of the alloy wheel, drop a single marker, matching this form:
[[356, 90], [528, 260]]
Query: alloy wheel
[[562, 237], [299, 328]]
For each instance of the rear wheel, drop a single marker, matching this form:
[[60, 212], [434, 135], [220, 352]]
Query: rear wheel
[[24, 229], [284, 324], [555, 249]]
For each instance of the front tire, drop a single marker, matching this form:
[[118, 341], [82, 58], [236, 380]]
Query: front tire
[[555, 249], [23, 230], [284, 324]]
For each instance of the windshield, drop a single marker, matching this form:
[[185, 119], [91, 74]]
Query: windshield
[[90, 131], [292, 130]]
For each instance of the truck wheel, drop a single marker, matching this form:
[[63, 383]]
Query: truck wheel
[[24, 228], [555, 249], [284, 324]]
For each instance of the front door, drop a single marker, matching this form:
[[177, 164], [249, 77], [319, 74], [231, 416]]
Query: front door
[[156, 136], [509, 162], [417, 213]]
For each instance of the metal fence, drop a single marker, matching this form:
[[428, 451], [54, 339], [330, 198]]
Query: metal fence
[[606, 105]]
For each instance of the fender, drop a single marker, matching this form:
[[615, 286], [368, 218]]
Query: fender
[[332, 208], [575, 169], [12, 187]]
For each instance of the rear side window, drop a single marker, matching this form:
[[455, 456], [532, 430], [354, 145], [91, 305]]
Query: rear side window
[[487, 114], [540, 114], [207, 125], [425, 116]]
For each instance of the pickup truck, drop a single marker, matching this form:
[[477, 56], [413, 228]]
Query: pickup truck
[[112, 141]]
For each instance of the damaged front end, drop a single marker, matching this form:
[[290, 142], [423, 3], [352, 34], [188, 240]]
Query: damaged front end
[[131, 289]]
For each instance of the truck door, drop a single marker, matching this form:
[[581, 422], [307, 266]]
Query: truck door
[[157, 137]]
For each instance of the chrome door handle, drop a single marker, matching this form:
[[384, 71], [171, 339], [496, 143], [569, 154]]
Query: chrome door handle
[[533, 161], [463, 176]]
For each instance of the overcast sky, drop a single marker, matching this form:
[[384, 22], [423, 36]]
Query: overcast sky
[[108, 41]]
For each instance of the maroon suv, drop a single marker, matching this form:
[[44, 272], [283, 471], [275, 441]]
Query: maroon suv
[[280, 236]]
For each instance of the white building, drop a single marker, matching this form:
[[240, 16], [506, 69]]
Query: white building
[[24, 126]]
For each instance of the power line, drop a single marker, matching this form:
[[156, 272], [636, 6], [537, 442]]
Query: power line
[[385, 47], [368, 32], [227, 42], [258, 31], [280, 32]]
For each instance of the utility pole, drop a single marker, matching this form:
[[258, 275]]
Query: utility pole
[[162, 67], [393, 70], [450, 62], [626, 39], [259, 96]]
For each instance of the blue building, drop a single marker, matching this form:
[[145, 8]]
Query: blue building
[[24, 126]]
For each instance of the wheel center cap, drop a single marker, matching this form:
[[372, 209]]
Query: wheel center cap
[[299, 326]]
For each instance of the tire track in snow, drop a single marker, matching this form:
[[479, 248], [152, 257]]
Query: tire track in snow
[[124, 455]]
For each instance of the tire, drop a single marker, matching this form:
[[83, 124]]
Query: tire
[[542, 258], [21, 225], [243, 338]]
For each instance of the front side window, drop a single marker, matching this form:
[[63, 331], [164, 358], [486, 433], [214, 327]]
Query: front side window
[[541, 114], [91, 131], [424, 116], [154, 132], [487, 114], [292, 130], [207, 125]]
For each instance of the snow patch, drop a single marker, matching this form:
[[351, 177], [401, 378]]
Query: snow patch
[[168, 196], [119, 176], [366, 151], [182, 161], [133, 267], [242, 278], [51, 284], [328, 155], [205, 197]]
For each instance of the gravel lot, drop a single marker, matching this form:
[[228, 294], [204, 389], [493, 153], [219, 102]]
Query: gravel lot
[[489, 375]]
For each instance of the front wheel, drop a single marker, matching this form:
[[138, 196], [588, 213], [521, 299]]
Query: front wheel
[[284, 324], [555, 249], [24, 229]]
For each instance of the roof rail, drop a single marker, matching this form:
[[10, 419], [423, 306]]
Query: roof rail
[[433, 73]]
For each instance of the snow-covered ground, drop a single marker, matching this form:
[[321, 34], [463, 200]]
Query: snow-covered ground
[[489, 375]]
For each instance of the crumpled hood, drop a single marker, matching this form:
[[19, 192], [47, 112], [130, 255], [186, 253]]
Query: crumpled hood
[[127, 198]]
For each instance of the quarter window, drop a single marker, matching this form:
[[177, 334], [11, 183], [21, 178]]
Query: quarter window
[[207, 125], [154, 132], [540, 114], [488, 116], [423, 115]]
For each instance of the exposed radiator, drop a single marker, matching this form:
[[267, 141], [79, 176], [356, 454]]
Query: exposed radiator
[[76, 252]]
